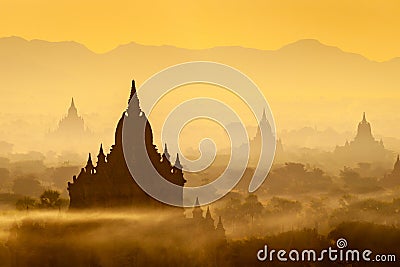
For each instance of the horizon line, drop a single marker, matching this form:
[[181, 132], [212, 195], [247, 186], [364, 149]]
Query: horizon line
[[200, 49]]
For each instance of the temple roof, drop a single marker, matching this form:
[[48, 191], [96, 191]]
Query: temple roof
[[72, 111]]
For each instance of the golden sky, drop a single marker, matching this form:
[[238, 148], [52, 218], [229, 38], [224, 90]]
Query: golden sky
[[367, 27]]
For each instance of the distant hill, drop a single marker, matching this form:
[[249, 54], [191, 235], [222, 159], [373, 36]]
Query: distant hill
[[66, 68], [306, 82]]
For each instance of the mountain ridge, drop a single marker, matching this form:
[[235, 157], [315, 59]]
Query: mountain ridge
[[132, 44], [305, 82]]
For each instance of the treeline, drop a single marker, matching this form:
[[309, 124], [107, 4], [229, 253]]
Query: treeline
[[246, 215], [81, 240], [30, 174], [114, 242], [49, 199]]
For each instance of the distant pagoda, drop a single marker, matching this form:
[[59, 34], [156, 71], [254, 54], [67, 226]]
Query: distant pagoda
[[263, 127], [263, 139], [72, 124], [393, 178], [364, 147], [71, 134]]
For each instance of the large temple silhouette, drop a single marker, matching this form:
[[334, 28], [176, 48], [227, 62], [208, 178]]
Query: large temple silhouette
[[109, 184], [364, 147]]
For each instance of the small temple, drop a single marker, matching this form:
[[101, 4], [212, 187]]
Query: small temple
[[72, 124], [263, 126], [393, 178], [364, 147], [71, 133]]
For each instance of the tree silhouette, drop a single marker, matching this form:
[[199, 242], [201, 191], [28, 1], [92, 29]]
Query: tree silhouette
[[25, 203], [252, 206], [232, 211], [282, 205], [50, 199]]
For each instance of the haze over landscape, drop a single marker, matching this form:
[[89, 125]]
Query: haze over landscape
[[306, 83], [71, 175]]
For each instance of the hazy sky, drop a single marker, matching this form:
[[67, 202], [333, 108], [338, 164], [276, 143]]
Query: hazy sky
[[370, 28], [300, 95]]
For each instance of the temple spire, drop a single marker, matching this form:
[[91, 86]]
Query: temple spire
[[89, 159], [178, 169], [364, 132], [264, 117], [208, 213], [264, 127], [72, 111], [89, 165], [178, 162], [220, 226], [133, 90], [209, 219], [133, 101], [197, 211], [166, 153], [101, 157]]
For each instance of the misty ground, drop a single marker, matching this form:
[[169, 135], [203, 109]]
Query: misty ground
[[298, 206]]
